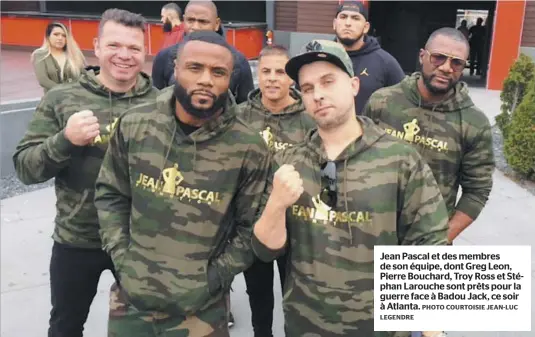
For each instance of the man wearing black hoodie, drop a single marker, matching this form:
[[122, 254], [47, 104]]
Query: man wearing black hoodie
[[202, 15], [374, 67]]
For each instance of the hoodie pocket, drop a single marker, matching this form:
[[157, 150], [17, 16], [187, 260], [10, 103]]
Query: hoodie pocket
[[315, 304], [158, 282]]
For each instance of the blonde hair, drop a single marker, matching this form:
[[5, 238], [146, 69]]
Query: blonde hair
[[75, 57]]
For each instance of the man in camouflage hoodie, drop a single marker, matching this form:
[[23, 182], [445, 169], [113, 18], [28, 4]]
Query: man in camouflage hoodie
[[66, 140], [277, 112], [177, 196], [346, 189], [432, 110]]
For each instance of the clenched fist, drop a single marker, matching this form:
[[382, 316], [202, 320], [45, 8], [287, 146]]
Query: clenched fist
[[82, 127], [287, 186]]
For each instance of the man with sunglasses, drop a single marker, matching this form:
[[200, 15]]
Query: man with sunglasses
[[348, 187], [432, 110]]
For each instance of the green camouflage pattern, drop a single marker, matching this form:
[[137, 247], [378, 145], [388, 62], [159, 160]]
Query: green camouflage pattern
[[279, 130], [126, 320], [454, 137], [320, 50], [386, 196], [177, 211], [44, 152]]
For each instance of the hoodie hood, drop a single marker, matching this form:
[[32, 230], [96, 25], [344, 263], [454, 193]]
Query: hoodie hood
[[375, 69], [255, 101], [371, 134], [453, 136], [89, 81], [280, 130], [210, 129], [165, 104], [459, 100]]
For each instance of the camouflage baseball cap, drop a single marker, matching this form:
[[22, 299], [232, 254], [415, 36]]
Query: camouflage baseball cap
[[320, 50]]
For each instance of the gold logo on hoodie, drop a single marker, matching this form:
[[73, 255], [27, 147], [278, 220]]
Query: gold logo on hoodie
[[411, 130], [170, 185], [413, 135], [172, 178], [105, 138], [322, 209], [322, 213], [267, 135]]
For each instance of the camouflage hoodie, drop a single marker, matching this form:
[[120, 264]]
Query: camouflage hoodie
[[386, 196], [453, 136], [278, 130], [45, 153], [176, 211]]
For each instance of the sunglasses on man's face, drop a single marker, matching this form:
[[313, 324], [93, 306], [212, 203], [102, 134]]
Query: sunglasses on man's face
[[329, 190], [438, 59]]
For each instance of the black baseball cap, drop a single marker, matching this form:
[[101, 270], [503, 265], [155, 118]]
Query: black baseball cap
[[354, 6]]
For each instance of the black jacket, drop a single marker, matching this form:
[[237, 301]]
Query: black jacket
[[241, 81], [375, 68]]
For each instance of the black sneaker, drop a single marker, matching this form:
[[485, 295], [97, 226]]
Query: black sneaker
[[231, 320]]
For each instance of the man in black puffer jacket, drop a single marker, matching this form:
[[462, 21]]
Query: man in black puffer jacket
[[202, 15]]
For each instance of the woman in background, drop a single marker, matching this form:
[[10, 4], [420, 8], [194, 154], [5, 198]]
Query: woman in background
[[59, 59]]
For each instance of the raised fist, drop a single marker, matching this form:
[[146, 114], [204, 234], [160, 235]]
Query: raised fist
[[82, 127], [287, 186]]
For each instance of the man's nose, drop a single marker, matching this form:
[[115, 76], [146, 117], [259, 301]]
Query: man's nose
[[206, 78], [123, 52], [318, 94], [446, 66]]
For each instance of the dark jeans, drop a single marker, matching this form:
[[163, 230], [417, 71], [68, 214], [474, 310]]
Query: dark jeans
[[74, 277], [259, 281]]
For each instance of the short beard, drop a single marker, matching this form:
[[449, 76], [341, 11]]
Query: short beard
[[185, 100], [349, 42], [432, 89], [334, 123]]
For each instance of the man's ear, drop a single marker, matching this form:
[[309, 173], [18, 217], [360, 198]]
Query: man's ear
[[366, 28], [355, 85], [217, 24], [421, 56], [96, 47]]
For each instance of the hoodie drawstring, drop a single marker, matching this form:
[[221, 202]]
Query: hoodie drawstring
[[194, 152], [346, 203], [462, 142], [158, 183], [110, 115], [431, 115]]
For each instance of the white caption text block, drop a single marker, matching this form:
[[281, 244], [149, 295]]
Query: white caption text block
[[452, 288]]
